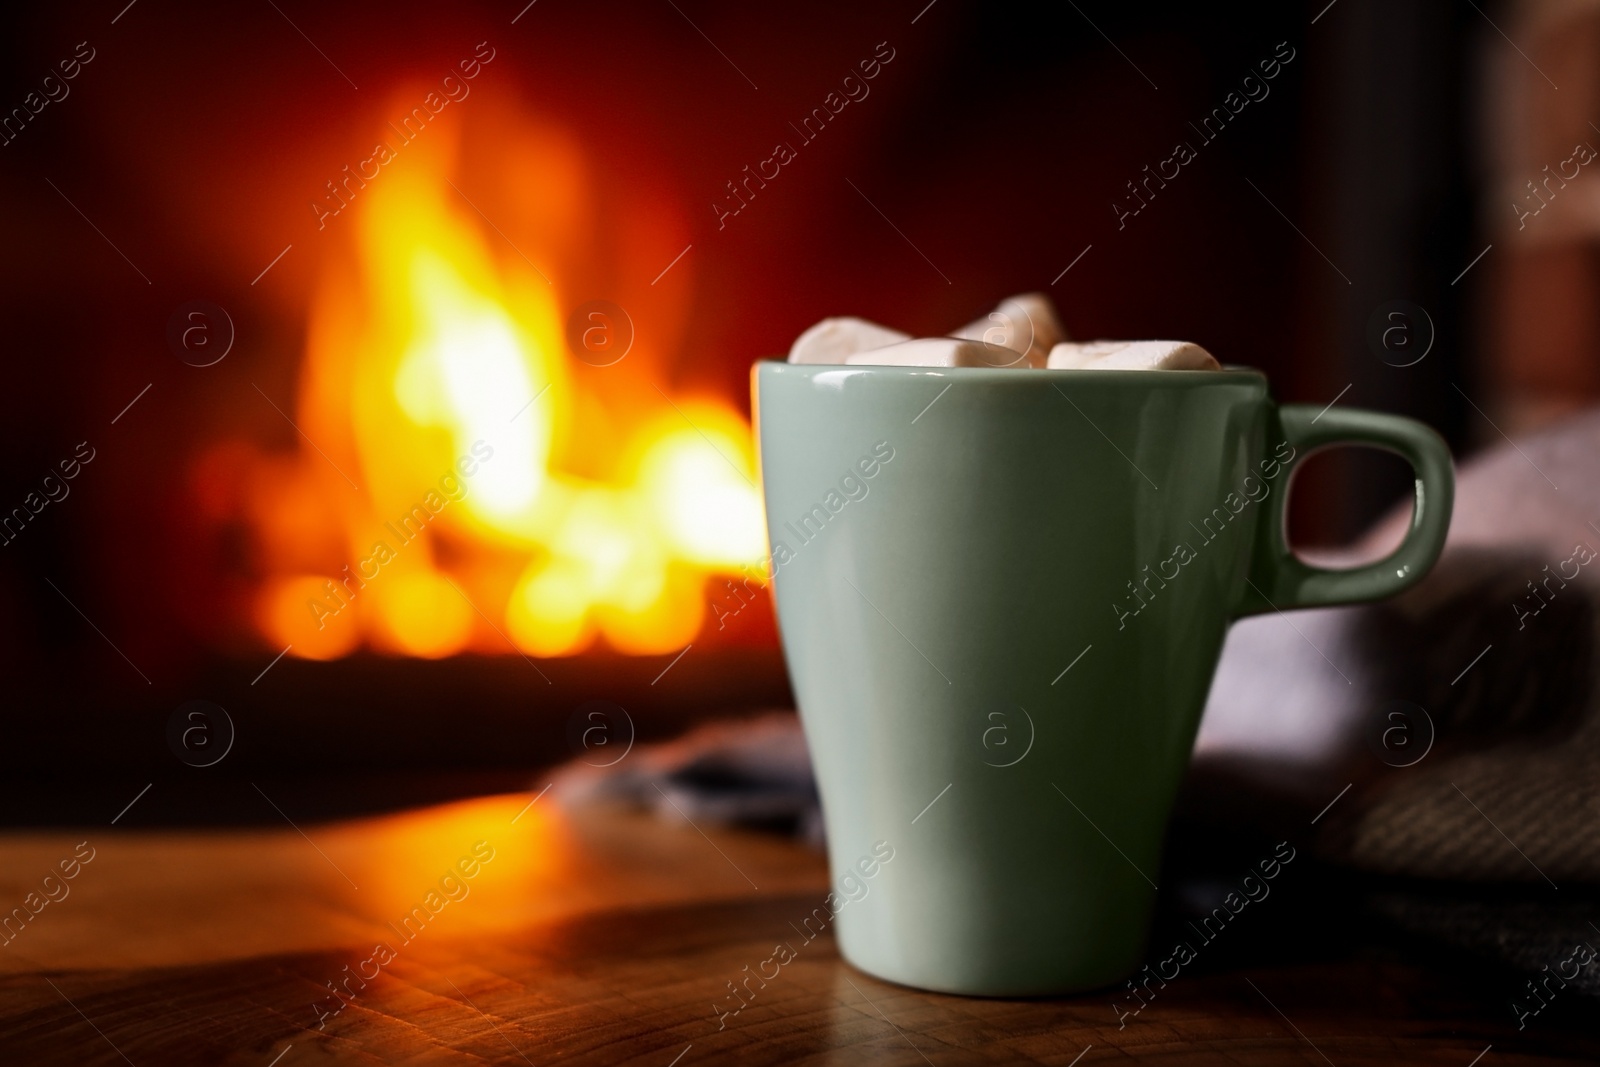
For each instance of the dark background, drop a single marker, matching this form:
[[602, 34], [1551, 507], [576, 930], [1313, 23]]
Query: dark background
[[996, 141]]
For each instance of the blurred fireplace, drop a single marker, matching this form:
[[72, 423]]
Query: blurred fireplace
[[483, 461], [457, 494]]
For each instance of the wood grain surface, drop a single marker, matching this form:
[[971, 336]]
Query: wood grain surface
[[608, 938]]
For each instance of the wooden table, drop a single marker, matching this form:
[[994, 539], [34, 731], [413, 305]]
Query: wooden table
[[606, 938]]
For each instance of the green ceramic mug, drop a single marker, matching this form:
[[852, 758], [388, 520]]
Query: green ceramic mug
[[1002, 595]]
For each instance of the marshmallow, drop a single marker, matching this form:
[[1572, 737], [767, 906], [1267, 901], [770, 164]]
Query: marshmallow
[[938, 352], [1022, 332], [1070, 356], [1025, 323], [834, 340], [1131, 355]]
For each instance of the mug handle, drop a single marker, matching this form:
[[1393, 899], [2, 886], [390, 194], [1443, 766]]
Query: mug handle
[[1278, 580]]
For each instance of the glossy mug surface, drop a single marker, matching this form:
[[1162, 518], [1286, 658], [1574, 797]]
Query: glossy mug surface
[[1002, 595]]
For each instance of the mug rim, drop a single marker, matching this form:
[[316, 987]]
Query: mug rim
[[1230, 372]]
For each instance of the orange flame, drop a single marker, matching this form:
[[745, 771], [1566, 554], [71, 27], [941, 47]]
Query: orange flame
[[460, 487]]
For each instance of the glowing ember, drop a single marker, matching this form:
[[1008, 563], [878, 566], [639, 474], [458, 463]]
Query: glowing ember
[[464, 490]]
